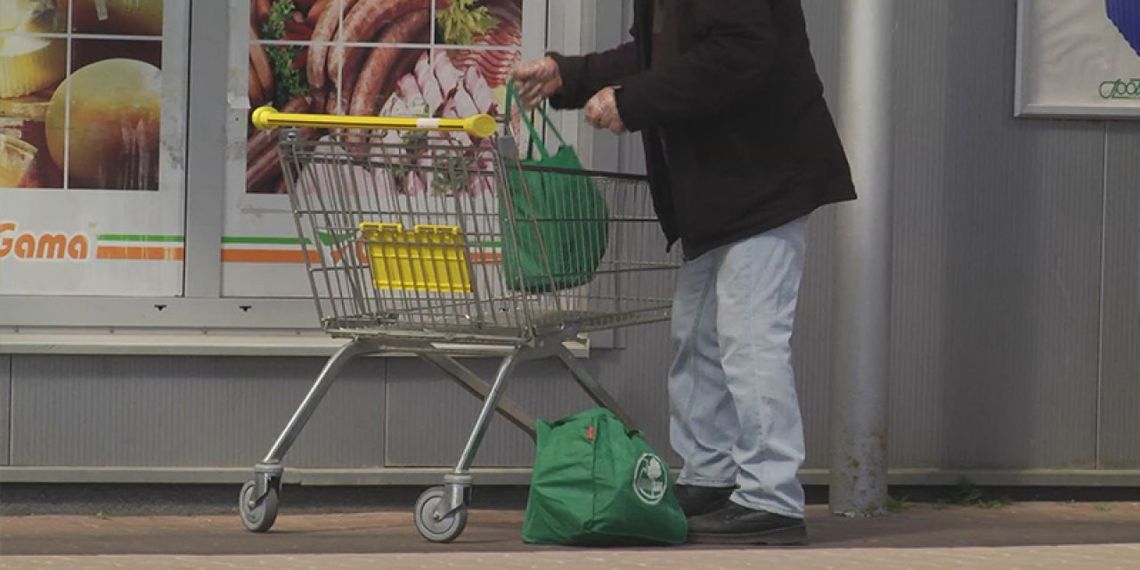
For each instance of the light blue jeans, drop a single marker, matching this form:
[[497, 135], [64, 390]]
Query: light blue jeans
[[734, 414]]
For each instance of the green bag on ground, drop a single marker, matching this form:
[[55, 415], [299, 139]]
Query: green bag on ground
[[598, 483], [555, 222]]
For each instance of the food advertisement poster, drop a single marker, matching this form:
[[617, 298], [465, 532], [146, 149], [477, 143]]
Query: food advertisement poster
[[1079, 58], [418, 58], [92, 124]]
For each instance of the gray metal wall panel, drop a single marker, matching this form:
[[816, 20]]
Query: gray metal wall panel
[[430, 416], [997, 254], [812, 341], [824, 20], [130, 411], [5, 406], [920, 270], [637, 376], [811, 344], [1120, 333]]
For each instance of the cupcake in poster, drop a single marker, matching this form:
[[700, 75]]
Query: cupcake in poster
[[460, 70]]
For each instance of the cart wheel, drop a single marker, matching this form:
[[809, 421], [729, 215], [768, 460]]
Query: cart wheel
[[446, 529], [259, 516]]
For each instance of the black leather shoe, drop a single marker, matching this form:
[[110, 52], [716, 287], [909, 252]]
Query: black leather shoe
[[734, 524], [697, 501]]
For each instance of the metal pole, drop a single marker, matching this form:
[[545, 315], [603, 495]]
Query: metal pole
[[862, 286]]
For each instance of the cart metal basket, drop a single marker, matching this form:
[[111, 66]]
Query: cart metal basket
[[422, 238]]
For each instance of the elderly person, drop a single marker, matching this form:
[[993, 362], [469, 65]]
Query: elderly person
[[741, 148]]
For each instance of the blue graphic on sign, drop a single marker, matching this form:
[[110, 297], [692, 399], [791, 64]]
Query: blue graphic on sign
[[1126, 15]]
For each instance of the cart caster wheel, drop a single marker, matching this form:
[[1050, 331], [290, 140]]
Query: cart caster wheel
[[258, 516], [446, 529]]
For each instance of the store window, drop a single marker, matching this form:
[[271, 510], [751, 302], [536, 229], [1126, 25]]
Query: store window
[[92, 146]]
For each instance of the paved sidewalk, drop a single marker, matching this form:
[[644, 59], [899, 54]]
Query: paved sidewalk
[[1101, 557], [1029, 535]]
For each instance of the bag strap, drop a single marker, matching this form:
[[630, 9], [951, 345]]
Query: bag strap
[[629, 431], [512, 97]]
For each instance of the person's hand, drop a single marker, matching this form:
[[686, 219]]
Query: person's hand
[[602, 111], [536, 81]]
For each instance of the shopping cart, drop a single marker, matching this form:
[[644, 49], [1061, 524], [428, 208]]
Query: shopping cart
[[429, 237]]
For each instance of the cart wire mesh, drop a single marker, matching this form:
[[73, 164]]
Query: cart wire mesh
[[441, 237]]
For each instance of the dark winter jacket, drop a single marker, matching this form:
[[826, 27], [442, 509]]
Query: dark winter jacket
[[738, 137]]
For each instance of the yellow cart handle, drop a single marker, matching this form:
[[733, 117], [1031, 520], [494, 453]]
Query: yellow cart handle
[[267, 118]]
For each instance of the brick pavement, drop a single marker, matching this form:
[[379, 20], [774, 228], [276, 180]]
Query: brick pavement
[[1028, 535]]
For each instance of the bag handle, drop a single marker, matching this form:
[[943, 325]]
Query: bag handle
[[629, 431], [512, 97]]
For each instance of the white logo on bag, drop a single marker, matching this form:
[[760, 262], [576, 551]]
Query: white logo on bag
[[649, 480]]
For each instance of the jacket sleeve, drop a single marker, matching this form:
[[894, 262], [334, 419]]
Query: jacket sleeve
[[729, 63], [584, 76]]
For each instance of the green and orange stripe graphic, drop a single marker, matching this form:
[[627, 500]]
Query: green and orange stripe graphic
[[247, 249], [140, 247], [280, 250], [265, 250]]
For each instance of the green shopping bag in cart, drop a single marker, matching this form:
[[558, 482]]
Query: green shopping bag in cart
[[598, 483], [555, 221]]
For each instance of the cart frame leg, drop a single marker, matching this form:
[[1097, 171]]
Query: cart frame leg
[[269, 471], [458, 483]]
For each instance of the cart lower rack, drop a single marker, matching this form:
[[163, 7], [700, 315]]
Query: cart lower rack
[[431, 238]]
